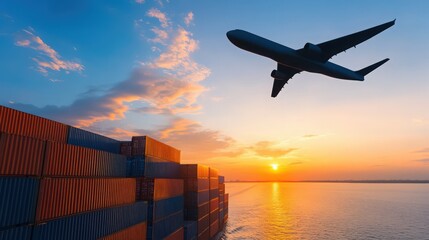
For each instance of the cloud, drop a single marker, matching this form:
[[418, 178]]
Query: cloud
[[423, 150], [295, 163], [268, 149], [424, 160], [49, 59], [162, 17], [139, 1], [310, 136], [188, 19], [161, 35]]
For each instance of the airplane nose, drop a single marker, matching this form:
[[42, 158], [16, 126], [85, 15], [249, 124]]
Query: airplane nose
[[232, 36], [229, 35]]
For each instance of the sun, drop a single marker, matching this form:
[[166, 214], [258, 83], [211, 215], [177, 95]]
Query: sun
[[275, 166]]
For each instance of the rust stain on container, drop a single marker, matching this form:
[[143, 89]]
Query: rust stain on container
[[136, 232], [20, 155], [20, 123], [65, 196]]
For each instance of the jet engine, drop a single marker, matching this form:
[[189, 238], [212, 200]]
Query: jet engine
[[279, 75], [313, 51]]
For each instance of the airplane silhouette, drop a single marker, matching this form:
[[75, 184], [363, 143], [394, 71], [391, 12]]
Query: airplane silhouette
[[311, 58]]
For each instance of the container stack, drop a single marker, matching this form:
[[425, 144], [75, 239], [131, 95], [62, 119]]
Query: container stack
[[156, 168], [62, 182], [197, 201]]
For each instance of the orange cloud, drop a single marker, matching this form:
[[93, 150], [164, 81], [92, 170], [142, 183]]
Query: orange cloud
[[50, 58], [162, 18], [268, 149], [188, 19]]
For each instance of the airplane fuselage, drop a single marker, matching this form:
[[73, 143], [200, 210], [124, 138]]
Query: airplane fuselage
[[287, 56]]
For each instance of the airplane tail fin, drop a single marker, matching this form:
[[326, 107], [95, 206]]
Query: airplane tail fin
[[365, 71]]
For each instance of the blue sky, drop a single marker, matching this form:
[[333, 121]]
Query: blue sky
[[166, 69]]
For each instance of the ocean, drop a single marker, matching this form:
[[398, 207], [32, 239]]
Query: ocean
[[327, 211]]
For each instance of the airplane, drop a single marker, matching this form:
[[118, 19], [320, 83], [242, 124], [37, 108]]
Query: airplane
[[311, 58]]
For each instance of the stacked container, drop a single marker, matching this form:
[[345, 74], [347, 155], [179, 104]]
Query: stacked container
[[197, 199], [221, 201], [214, 201]]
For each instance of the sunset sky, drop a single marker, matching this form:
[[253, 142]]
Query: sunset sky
[[166, 69]]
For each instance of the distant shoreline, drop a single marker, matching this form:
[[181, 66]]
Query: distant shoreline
[[341, 181]]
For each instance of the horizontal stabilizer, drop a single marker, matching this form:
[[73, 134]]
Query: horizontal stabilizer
[[365, 71]]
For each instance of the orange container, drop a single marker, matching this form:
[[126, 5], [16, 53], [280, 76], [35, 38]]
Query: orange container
[[70, 160], [65, 196], [20, 123], [158, 188], [214, 204], [146, 146], [214, 183], [203, 224], [177, 235], [214, 216], [136, 232], [20, 155], [213, 173], [204, 235]]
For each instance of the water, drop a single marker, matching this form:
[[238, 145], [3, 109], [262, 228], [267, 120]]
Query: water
[[327, 211]]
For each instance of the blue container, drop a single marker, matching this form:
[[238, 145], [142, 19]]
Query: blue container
[[153, 167], [166, 226], [191, 230], [221, 179], [17, 233], [92, 225], [87, 139], [165, 207], [18, 200]]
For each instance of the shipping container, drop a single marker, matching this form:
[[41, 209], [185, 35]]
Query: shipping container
[[214, 193], [18, 200], [195, 213], [221, 188], [204, 235], [65, 196], [166, 226], [82, 138], [203, 224], [177, 235], [147, 146], [24, 124], [136, 232], [196, 184], [190, 230], [21, 155], [152, 167], [160, 209], [70, 160], [214, 215], [221, 180], [194, 171], [158, 188], [214, 183], [127, 148], [16, 233], [214, 204], [214, 228], [92, 225], [213, 173], [195, 199]]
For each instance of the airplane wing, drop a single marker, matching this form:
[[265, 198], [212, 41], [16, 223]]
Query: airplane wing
[[281, 77], [333, 47]]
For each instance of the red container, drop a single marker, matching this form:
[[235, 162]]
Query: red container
[[214, 183], [127, 149], [70, 160], [225, 198], [136, 232], [214, 216], [204, 235], [146, 146], [20, 123], [158, 188], [203, 224], [214, 228], [65, 196], [20, 155], [177, 235], [214, 204], [194, 171], [221, 188]]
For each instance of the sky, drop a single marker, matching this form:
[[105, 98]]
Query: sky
[[166, 69]]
